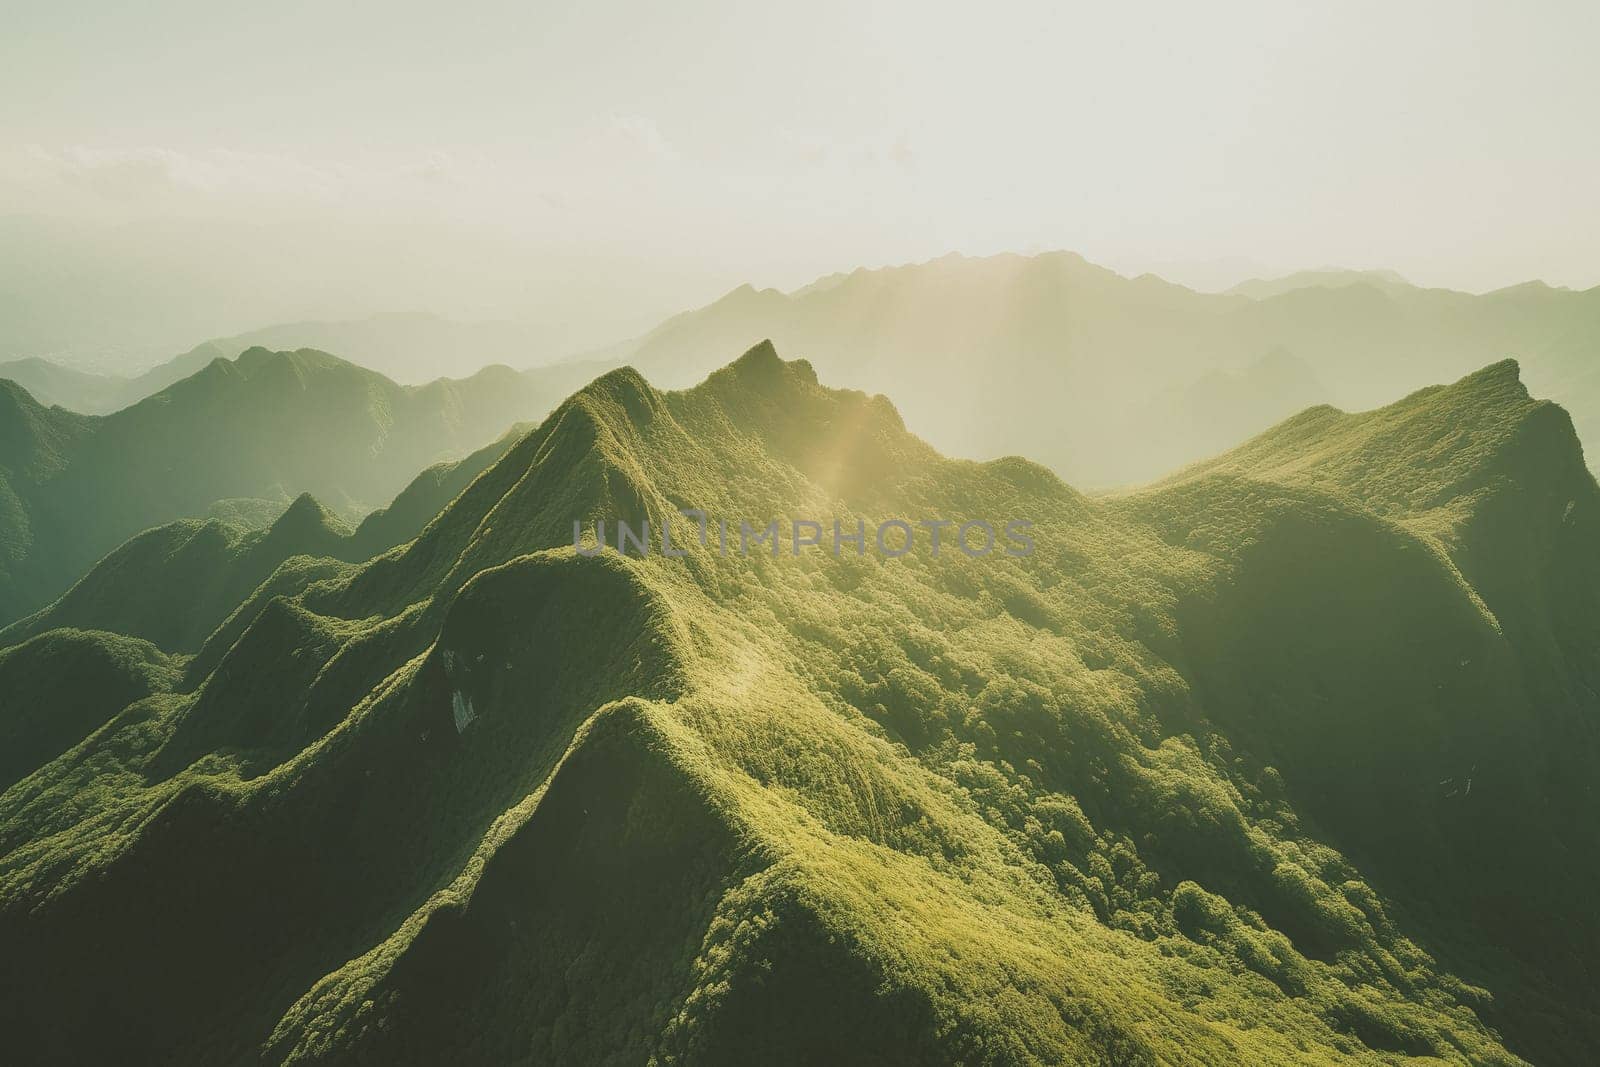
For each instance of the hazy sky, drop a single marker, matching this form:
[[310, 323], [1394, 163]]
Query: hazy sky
[[513, 158]]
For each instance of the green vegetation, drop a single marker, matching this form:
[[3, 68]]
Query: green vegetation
[[175, 584], [61, 686], [239, 440], [1284, 760]]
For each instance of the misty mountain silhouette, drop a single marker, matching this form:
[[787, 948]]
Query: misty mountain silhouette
[[1111, 380]]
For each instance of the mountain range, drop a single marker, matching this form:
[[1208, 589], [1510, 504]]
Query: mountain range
[[1285, 758], [236, 439], [410, 348], [1107, 379], [1111, 380]]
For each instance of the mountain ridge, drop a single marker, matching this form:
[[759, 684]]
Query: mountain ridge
[[1116, 380]]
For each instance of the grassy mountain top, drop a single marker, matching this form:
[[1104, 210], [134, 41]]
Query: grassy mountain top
[[1430, 450], [1209, 777]]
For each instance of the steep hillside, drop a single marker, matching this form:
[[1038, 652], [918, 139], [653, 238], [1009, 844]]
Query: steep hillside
[[1234, 770], [1110, 380], [58, 688], [174, 584], [243, 436], [35, 445], [1467, 776], [405, 516]]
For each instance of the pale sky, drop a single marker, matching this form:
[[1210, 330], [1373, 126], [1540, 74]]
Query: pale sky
[[504, 159]]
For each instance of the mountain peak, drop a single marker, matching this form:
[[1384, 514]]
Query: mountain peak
[[762, 370], [303, 506], [626, 388], [762, 353], [306, 519], [1505, 374], [257, 357], [1428, 452], [254, 355]]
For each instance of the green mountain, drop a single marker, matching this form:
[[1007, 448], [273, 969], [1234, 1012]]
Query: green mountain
[[239, 438], [1282, 760], [1112, 380], [408, 348], [173, 585], [405, 516], [62, 686], [411, 348], [35, 443], [100, 394]]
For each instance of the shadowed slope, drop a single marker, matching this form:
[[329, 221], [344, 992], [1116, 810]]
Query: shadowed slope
[[1448, 747], [62, 686], [172, 585]]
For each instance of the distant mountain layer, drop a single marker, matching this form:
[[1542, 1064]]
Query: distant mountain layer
[[264, 427], [101, 394], [1266, 288], [1111, 380], [410, 348], [1286, 759]]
